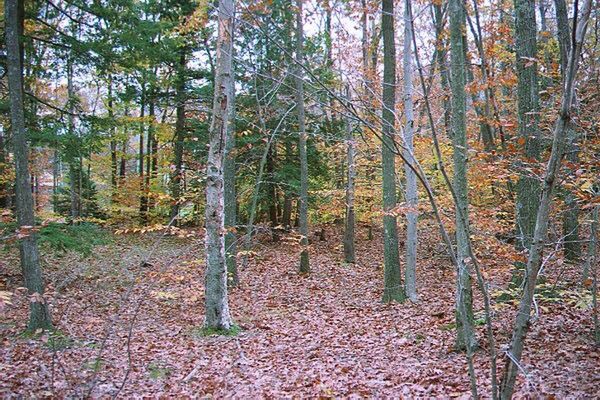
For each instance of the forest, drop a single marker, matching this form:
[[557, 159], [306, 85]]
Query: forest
[[299, 199]]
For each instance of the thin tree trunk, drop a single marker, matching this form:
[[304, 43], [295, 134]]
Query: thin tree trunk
[[74, 167], [442, 63], [141, 153], [349, 251], [230, 197], [179, 135], [39, 315], [216, 299], [303, 199], [393, 289], [465, 338], [113, 142], [411, 195], [522, 321], [572, 245]]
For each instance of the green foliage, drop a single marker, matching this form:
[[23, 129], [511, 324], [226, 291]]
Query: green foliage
[[204, 332], [80, 238], [88, 198]]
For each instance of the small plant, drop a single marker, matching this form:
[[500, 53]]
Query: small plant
[[204, 332], [158, 371], [80, 238]]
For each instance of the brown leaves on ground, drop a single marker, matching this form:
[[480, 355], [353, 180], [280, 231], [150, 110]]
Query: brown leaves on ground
[[323, 335]]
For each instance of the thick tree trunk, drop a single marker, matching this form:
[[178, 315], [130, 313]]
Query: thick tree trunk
[[303, 198], [393, 289], [216, 299], [39, 315], [465, 337], [528, 186], [349, 251], [534, 262], [411, 195]]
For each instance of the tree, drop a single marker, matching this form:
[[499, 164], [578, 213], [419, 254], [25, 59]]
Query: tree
[[303, 198], [534, 261], [39, 315], [349, 237], [216, 299], [528, 107], [393, 289], [411, 177], [465, 337]]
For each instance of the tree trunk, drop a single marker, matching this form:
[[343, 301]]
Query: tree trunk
[[349, 252], [216, 299], [441, 60], [141, 154], [534, 262], [528, 186], [74, 167], [179, 136], [411, 178], [303, 199], [465, 338], [39, 315], [230, 198], [572, 245], [113, 142], [393, 289]]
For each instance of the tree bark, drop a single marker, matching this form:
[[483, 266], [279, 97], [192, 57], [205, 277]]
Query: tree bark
[[534, 261], [393, 289], [230, 197], [179, 135], [465, 338], [216, 299], [39, 315], [411, 194], [349, 250], [528, 186], [572, 245], [303, 198]]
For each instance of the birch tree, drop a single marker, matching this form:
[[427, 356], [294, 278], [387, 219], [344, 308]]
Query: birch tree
[[216, 302]]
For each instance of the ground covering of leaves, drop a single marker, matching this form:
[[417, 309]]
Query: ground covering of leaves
[[132, 330]]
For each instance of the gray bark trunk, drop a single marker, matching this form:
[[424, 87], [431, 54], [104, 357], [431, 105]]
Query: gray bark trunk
[[393, 289], [349, 250], [411, 178], [528, 186], [216, 299], [534, 261], [39, 315], [465, 337], [303, 199]]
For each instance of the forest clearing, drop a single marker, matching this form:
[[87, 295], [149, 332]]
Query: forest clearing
[[299, 199], [325, 335]]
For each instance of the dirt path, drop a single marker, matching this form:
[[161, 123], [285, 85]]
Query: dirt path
[[325, 335]]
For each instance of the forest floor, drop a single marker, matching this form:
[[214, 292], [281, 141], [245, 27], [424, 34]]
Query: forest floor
[[133, 331]]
